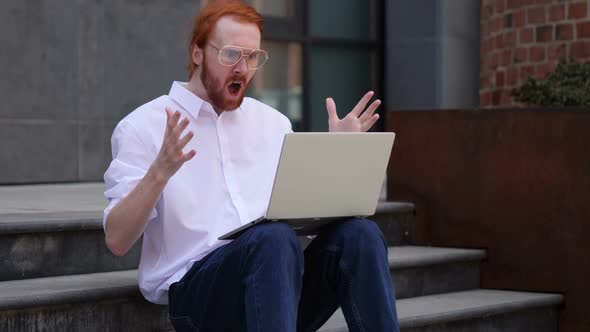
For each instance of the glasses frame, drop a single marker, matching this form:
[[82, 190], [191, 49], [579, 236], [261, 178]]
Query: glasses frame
[[244, 54]]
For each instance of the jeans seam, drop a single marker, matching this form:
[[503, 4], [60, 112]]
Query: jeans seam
[[355, 312], [256, 306]]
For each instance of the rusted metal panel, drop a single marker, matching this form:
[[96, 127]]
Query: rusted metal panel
[[514, 181]]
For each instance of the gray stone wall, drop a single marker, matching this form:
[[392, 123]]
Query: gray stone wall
[[71, 70]]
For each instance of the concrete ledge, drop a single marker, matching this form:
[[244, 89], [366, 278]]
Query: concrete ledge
[[40, 292], [58, 221], [415, 256], [50, 222], [98, 286], [446, 308], [384, 207], [435, 309]]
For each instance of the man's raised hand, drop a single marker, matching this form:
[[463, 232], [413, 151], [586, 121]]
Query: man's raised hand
[[358, 120], [171, 156]]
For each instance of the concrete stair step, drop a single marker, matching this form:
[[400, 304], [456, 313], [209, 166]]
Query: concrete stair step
[[474, 310], [36, 245], [111, 302], [60, 299], [108, 301], [415, 270], [52, 230], [418, 271]]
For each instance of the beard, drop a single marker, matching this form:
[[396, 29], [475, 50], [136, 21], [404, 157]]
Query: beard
[[217, 90]]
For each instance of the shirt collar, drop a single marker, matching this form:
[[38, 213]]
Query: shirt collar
[[188, 100]]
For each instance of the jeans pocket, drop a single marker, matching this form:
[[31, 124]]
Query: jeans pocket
[[183, 324]]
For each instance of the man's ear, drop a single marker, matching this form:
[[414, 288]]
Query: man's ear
[[197, 55]]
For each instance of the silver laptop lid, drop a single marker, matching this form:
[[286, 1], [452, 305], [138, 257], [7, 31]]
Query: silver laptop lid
[[329, 175]]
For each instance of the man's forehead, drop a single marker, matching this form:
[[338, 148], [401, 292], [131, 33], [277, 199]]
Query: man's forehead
[[230, 31]]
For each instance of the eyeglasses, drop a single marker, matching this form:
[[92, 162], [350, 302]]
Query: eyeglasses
[[229, 55]]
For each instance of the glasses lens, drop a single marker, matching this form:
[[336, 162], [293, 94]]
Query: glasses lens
[[229, 55], [257, 59]]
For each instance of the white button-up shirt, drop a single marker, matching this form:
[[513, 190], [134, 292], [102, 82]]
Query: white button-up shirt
[[227, 184]]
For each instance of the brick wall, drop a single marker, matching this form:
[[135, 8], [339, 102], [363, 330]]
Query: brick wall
[[523, 38]]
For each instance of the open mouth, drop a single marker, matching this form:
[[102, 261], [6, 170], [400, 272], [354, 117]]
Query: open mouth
[[234, 88]]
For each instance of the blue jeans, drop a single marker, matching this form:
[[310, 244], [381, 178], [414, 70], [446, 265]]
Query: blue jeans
[[264, 281]]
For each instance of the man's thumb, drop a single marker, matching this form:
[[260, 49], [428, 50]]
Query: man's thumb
[[331, 108]]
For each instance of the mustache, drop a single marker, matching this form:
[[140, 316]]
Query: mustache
[[236, 78]]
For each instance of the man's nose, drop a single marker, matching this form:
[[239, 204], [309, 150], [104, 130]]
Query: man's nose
[[241, 67]]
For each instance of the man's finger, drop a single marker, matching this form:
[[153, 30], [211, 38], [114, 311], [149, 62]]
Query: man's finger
[[188, 156], [185, 139], [174, 119], [168, 116], [331, 107], [360, 106], [178, 129], [367, 125], [370, 111]]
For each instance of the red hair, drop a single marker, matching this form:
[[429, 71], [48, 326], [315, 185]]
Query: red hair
[[210, 15]]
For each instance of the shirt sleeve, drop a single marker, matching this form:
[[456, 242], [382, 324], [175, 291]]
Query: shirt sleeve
[[131, 161]]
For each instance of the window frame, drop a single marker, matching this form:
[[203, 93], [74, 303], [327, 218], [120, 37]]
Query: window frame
[[296, 29]]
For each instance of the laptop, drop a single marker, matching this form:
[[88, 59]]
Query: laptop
[[325, 177]]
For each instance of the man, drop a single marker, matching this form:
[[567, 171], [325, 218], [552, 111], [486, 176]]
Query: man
[[196, 163]]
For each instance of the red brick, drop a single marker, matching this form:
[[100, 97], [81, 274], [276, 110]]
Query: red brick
[[484, 29], [512, 4], [485, 99], [578, 10], [557, 52], [487, 45], [537, 53], [527, 35], [543, 70], [519, 18], [512, 76], [495, 60], [499, 79], [505, 98], [520, 55], [484, 82], [510, 39], [487, 63], [496, 97], [583, 30], [490, 25], [580, 49], [536, 15], [543, 2], [495, 27], [544, 33], [506, 58], [487, 12], [564, 32], [500, 6], [526, 72], [499, 42], [556, 13]]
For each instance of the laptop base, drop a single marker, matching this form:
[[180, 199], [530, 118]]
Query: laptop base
[[302, 227]]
